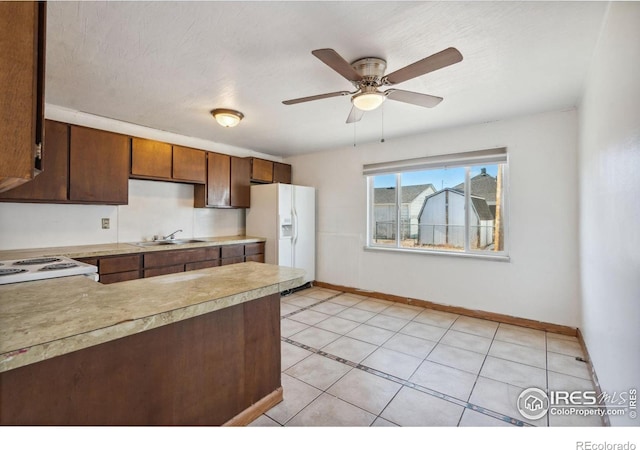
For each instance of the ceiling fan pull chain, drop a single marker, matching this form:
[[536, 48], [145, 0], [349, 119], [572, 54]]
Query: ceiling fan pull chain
[[382, 124], [354, 133]]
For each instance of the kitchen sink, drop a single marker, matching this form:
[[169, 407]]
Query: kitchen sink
[[167, 242]]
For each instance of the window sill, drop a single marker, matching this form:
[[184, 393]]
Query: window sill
[[500, 258]]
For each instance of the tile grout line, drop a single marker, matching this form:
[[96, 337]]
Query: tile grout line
[[409, 384]]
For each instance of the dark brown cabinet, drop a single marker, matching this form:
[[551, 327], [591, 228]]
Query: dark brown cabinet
[[51, 184], [98, 166], [261, 170], [189, 164], [150, 159], [113, 269], [228, 183], [174, 261], [281, 173], [22, 63]]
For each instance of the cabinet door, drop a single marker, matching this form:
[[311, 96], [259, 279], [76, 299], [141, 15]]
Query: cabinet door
[[150, 159], [98, 166], [51, 184], [22, 55], [281, 173], [240, 182], [189, 164], [261, 170], [218, 180]]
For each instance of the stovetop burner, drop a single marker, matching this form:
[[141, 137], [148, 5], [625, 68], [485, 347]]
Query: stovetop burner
[[59, 266], [31, 262], [11, 271]]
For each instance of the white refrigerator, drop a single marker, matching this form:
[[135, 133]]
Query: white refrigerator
[[285, 215]]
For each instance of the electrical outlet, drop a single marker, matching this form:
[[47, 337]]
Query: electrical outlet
[[105, 223]]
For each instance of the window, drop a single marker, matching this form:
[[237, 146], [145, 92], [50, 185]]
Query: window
[[453, 204]]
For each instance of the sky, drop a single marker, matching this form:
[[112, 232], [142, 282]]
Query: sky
[[438, 177]]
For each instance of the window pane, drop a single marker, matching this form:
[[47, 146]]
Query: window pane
[[486, 212], [432, 209], [383, 226]]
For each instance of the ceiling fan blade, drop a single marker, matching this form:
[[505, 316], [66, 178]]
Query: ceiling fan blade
[[332, 59], [355, 115], [429, 64], [315, 97], [415, 98]]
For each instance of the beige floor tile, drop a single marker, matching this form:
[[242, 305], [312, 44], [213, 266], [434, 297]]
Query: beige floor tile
[[410, 345], [392, 362], [568, 365], [387, 322], [296, 395], [481, 327], [328, 308], [372, 306], [320, 294], [401, 312], [565, 346], [417, 409], [562, 382], [438, 318], [364, 390], [457, 358], [314, 337], [286, 308], [472, 418], [514, 373], [560, 336], [501, 398], [345, 300], [309, 317], [350, 349], [332, 291], [289, 327], [290, 354], [337, 325], [384, 302], [380, 422], [368, 333], [357, 315], [444, 379], [466, 341], [423, 331], [264, 421], [329, 411], [318, 371], [303, 301], [519, 353], [358, 296], [522, 336]]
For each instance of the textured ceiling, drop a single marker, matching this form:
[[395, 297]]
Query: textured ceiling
[[165, 65]]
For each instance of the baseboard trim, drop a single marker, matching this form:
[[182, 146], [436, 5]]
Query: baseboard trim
[[496, 317], [594, 377], [256, 410]]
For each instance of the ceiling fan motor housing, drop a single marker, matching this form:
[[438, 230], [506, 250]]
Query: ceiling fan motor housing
[[371, 70]]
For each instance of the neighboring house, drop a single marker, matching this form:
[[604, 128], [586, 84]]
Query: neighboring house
[[441, 220], [411, 204], [485, 186]]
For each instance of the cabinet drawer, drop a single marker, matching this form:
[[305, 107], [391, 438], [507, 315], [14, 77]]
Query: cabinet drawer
[[232, 251], [202, 265], [173, 257], [117, 277], [256, 258], [254, 249], [163, 270], [212, 253], [119, 264], [92, 261], [227, 261]]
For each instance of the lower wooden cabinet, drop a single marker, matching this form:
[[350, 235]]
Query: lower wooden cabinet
[[113, 269]]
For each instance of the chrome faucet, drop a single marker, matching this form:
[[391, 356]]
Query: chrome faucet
[[170, 235]]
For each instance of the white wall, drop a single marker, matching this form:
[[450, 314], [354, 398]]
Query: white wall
[[541, 280], [609, 167]]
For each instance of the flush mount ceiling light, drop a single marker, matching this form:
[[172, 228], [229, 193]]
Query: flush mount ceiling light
[[227, 117]]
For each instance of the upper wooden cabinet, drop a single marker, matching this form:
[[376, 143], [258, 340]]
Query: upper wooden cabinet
[[189, 164], [22, 61], [150, 159], [98, 166], [228, 183], [50, 185], [261, 170], [281, 173]]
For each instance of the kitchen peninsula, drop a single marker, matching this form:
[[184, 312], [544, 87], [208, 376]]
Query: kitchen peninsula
[[193, 348]]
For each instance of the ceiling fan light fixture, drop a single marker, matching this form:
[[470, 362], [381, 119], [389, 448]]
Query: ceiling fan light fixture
[[227, 117], [368, 101]]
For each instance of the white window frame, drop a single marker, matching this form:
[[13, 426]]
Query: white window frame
[[466, 160]]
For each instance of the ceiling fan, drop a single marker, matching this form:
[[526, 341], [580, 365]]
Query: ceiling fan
[[367, 75]]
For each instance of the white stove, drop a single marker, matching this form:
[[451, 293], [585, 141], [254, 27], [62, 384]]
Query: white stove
[[19, 270]]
